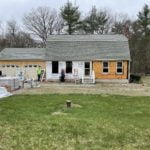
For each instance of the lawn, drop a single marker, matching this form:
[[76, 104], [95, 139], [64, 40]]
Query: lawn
[[42, 122]]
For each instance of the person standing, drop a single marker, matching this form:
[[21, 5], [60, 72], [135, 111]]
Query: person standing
[[39, 72]]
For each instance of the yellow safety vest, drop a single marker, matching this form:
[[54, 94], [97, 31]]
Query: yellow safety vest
[[39, 70]]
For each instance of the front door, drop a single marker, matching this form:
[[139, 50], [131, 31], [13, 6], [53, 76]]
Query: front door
[[87, 68]]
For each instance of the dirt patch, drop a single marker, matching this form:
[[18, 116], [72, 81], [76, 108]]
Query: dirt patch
[[101, 88], [58, 113]]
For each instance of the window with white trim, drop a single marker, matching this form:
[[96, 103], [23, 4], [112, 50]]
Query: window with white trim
[[69, 67], [105, 67], [119, 67], [55, 67], [87, 68]]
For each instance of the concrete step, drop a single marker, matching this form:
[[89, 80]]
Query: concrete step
[[88, 81]]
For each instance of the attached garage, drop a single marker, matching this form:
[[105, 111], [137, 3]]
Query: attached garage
[[16, 61]]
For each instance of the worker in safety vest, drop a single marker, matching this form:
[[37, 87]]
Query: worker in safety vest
[[39, 72]]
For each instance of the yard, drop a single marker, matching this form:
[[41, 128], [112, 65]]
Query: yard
[[94, 122]]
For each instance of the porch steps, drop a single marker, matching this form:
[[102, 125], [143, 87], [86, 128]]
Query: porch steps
[[87, 80]]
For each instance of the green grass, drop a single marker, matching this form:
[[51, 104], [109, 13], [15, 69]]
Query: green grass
[[103, 122]]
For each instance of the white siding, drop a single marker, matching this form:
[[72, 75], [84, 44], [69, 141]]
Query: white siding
[[77, 69]]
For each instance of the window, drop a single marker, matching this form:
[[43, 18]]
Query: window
[[105, 67], [119, 67], [55, 67], [87, 68], [69, 67]]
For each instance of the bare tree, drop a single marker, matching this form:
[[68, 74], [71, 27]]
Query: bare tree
[[2, 30], [122, 24], [40, 22], [59, 25], [12, 27]]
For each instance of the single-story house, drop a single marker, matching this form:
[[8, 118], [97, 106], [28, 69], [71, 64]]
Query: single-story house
[[95, 57]]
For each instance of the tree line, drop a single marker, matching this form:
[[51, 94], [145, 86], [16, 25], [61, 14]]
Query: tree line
[[43, 21]]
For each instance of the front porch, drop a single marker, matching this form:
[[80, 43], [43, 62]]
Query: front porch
[[75, 71]]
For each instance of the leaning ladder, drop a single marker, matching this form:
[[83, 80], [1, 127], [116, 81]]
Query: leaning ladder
[[43, 75]]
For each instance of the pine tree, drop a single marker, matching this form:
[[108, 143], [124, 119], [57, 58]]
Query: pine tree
[[95, 22], [71, 16], [90, 22], [144, 20]]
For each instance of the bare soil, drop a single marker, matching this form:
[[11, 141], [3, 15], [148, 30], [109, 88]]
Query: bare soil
[[99, 88]]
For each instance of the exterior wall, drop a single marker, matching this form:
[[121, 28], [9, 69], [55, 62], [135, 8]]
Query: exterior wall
[[19, 66], [112, 74], [77, 69]]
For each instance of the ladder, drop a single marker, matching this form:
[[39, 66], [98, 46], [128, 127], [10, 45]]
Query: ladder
[[43, 75]]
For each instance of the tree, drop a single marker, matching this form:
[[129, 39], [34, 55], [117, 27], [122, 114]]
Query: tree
[[12, 27], [96, 22], [12, 31], [89, 24], [102, 19], [59, 24], [140, 43], [13, 36], [144, 20], [71, 16], [122, 25], [41, 22]]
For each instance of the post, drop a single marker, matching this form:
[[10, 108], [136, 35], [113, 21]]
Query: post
[[31, 83], [68, 103]]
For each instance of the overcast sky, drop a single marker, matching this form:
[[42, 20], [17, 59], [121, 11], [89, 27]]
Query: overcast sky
[[16, 8]]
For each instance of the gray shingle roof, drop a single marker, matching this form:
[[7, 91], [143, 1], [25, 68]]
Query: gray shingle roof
[[22, 54], [87, 47], [74, 48], [107, 37]]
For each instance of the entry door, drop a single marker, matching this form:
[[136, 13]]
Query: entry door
[[87, 68]]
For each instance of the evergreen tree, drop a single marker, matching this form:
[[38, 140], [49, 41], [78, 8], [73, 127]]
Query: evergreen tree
[[71, 16], [90, 22], [144, 20], [95, 22], [102, 19], [140, 42]]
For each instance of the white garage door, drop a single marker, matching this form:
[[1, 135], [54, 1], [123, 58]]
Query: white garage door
[[28, 71]]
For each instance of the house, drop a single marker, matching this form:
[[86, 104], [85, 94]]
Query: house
[[86, 57]]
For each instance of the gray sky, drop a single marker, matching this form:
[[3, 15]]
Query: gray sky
[[16, 8]]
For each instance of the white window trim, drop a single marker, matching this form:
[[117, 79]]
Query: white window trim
[[119, 67], [87, 68], [66, 68], [105, 67], [52, 68]]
